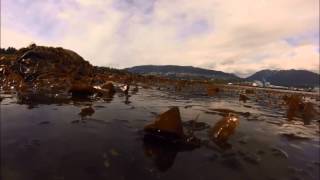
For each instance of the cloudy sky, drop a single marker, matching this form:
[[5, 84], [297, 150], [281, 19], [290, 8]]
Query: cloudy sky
[[230, 35]]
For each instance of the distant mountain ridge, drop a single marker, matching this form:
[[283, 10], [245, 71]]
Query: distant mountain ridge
[[295, 78], [289, 78], [181, 71]]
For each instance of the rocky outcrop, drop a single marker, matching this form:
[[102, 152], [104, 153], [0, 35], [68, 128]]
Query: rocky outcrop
[[40, 68]]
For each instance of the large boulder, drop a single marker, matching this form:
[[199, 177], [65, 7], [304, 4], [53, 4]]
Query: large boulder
[[44, 69], [43, 61]]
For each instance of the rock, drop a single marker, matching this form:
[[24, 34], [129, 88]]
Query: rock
[[249, 91], [88, 111], [246, 114], [297, 107], [178, 87], [44, 122], [114, 152], [212, 90], [44, 69], [188, 106], [247, 106], [252, 158], [243, 98], [274, 122], [225, 112], [81, 89], [48, 59], [135, 89], [110, 87], [223, 129], [308, 112], [167, 122], [292, 136], [232, 163], [279, 152], [243, 141], [144, 86], [75, 121], [260, 152], [295, 104], [106, 90]]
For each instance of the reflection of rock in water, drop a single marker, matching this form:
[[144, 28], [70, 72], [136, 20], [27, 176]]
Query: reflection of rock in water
[[33, 100], [127, 101], [135, 89], [193, 125], [108, 98], [164, 138], [308, 113], [163, 148], [162, 155]]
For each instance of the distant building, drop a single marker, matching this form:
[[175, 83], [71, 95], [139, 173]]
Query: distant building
[[277, 87], [316, 89], [266, 84], [257, 84]]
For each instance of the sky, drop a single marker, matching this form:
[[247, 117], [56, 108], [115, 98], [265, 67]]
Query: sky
[[233, 36]]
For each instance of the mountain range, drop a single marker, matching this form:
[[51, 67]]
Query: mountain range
[[180, 71], [296, 78], [290, 78]]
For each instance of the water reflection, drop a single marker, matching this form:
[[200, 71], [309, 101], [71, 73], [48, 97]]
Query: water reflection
[[108, 97], [164, 151], [127, 101], [33, 100], [135, 90], [162, 155]]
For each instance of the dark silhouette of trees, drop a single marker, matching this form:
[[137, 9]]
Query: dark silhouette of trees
[[9, 50]]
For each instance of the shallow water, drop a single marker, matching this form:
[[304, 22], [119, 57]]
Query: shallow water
[[48, 139]]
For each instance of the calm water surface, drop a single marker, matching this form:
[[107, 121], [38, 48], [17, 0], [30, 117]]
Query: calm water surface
[[47, 139]]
